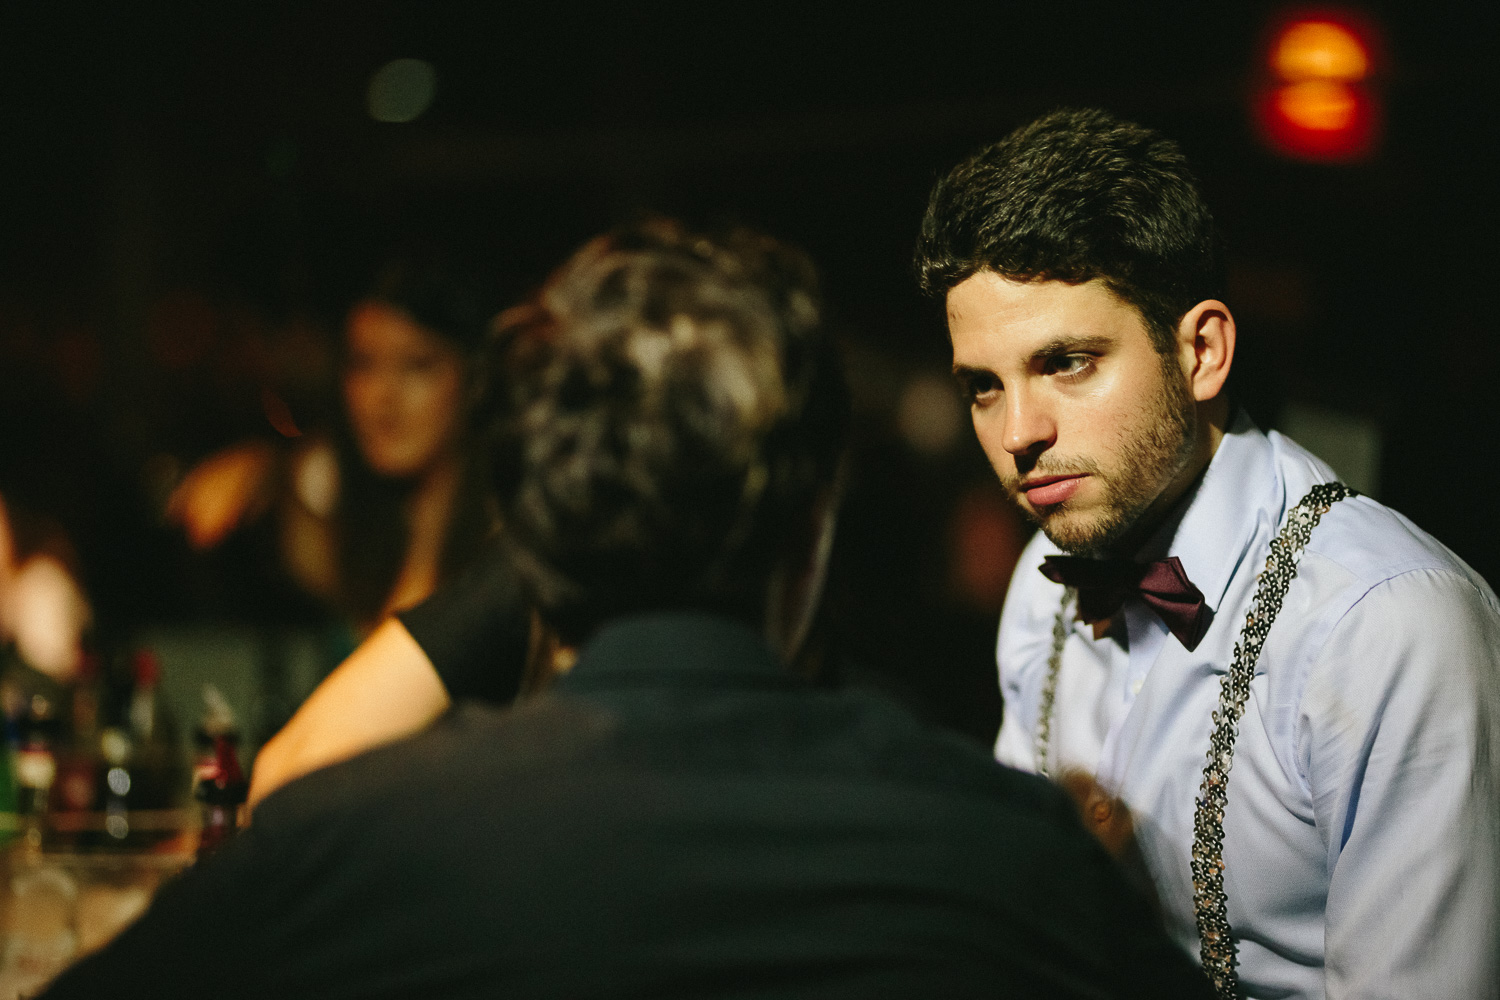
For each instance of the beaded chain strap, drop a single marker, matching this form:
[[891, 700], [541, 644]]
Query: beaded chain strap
[[1218, 951], [1049, 684], [1219, 955]]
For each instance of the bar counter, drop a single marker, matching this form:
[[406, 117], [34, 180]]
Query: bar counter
[[67, 893]]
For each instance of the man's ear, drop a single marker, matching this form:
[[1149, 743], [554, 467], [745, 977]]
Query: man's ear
[[1205, 345]]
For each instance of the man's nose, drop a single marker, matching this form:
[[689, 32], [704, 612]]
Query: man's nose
[[1029, 427]]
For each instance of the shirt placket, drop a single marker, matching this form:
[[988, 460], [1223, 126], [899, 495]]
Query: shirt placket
[[1145, 637]]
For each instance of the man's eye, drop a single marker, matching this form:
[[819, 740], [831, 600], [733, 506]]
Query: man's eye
[[979, 387], [1071, 364]]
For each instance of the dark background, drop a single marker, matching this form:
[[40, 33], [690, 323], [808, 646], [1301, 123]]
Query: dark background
[[189, 195]]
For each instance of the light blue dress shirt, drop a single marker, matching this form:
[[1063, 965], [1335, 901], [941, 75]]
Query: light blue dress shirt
[[1362, 835]]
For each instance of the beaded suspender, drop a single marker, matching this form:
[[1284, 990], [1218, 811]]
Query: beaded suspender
[[1217, 945], [1049, 684]]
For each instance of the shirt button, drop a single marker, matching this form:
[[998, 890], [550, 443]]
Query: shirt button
[[1135, 685]]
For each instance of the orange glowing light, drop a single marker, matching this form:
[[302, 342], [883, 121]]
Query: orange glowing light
[[1320, 50], [1320, 105], [1319, 99]]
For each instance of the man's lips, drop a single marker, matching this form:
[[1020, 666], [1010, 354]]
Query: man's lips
[[1044, 491]]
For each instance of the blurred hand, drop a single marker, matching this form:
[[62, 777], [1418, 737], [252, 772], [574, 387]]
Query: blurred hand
[[1111, 823], [223, 492], [1105, 817]]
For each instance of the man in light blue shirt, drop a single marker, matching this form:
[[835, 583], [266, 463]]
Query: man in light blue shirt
[[1342, 836]]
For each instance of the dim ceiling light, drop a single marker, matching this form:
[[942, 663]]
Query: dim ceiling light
[[1320, 50], [401, 90]]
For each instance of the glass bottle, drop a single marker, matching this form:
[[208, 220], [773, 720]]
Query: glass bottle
[[220, 788], [154, 770], [74, 798], [36, 769]]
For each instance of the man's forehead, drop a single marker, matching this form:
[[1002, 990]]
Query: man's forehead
[[988, 311]]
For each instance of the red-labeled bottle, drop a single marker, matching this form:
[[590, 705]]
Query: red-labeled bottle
[[220, 788]]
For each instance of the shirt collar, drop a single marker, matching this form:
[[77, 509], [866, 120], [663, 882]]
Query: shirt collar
[[677, 643], [1212, 533]]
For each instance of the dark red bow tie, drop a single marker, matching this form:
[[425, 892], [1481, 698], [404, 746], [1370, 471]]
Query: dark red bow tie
[[1103, 585]]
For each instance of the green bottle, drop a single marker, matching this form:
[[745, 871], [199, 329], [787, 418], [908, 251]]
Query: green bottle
[[9, 822]]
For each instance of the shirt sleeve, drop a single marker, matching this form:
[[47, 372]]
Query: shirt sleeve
[[476, 630], [1400, 742]]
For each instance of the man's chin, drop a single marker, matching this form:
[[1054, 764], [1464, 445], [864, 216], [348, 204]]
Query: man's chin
[[1075, 532]]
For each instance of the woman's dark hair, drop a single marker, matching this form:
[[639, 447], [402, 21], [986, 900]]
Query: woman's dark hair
[[1076, 196], [663, 416], [443, 294], [371, 530]]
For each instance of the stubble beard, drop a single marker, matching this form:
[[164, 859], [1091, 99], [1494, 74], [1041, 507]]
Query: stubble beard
[[1145, 465]]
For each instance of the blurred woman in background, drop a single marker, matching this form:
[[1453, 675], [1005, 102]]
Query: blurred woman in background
[[375, 513]]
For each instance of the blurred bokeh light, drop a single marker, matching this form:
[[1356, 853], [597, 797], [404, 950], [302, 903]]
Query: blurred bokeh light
[[928, 414], [1319, 102], [1320, 50], [401, 90]]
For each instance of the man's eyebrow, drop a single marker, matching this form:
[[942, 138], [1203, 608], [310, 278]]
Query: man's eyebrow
[[967, 371], [1069, 345]]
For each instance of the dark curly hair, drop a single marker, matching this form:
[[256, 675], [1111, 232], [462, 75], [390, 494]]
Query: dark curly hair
[[1076, 196], [662, 418]]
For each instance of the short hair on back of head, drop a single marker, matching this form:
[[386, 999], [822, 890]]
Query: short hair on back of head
[[1074, 196], [662, 418]]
